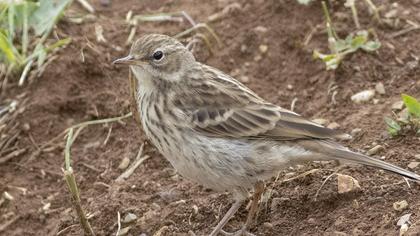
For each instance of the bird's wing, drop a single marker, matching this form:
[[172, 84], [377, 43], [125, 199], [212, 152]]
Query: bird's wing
[[223, 107]]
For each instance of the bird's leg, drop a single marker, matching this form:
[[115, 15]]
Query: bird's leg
[[258, 191], [233, 209]]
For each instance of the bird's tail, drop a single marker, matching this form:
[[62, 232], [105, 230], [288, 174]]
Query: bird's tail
[[334, 151]]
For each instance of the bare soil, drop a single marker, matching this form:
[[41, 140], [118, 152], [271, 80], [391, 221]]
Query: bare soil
[[81, 84]]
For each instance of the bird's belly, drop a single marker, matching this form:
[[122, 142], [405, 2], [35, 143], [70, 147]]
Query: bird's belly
[[216, 164], [226, 164]]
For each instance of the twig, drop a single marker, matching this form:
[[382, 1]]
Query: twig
[[77, 126], [12, 155], [351, 4], [25, 73], [119, 224], [188, 17], [404, 31], [9, 141], [374, 9], [301, 175], [4, 226], [133, 167], [197, 27], [131, 36], [72, 185], [292, 106], [65, 229], [323, 183], [406, 181], [309, 37], [107, 136], [85, 4]]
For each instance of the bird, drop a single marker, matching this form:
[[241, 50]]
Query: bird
[[219, 133]]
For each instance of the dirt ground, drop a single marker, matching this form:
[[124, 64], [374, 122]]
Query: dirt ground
[[81, 84]]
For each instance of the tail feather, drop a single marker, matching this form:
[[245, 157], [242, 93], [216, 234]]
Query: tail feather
[[331, 150], [358, 158]]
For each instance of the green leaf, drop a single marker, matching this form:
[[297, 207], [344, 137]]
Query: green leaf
[[371, 46], [7, 48], [358, 41], [393, 127], [58, 44], [331, 60], [42, 54], [412, 105], [341, 45], [45, 17]]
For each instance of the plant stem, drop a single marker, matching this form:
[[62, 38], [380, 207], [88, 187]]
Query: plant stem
[[72, 185], [332, 36], [25, 73], [355, 17], [374, 9], [67, 149], [25, 38], [11, 21], [74, 191]]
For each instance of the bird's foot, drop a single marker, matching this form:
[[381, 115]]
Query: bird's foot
[[241, 232]]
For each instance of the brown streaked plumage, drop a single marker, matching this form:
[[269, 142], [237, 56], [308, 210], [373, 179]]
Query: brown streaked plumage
[[217, 132]]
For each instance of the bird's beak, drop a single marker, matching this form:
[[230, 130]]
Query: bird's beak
[[128, 60]]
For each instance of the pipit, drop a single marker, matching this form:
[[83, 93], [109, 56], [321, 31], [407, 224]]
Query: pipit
[[217, 132]]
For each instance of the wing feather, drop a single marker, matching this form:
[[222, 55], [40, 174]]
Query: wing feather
[[223, 107]]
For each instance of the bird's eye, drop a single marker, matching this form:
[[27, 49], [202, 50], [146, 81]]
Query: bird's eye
[[158, 55]]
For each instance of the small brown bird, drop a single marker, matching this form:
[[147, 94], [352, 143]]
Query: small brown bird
[[219, 133]]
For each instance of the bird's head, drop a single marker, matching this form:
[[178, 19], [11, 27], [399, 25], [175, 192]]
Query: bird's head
[[159, 57]]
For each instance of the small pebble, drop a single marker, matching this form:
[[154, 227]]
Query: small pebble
[[130, 217], [124, 163], [46, 207], [268, 225], [380, 88], [244, 79], [404, 219], [124, 231], [26, 127], [244, 48], [363, 96], [289, 87], [346, 183], [397, 105], [333, 125], [311, 221], [263, 48], [374, 150], [257, 58], [403, 229], [260, 29], [400, 206], [413, 165]]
